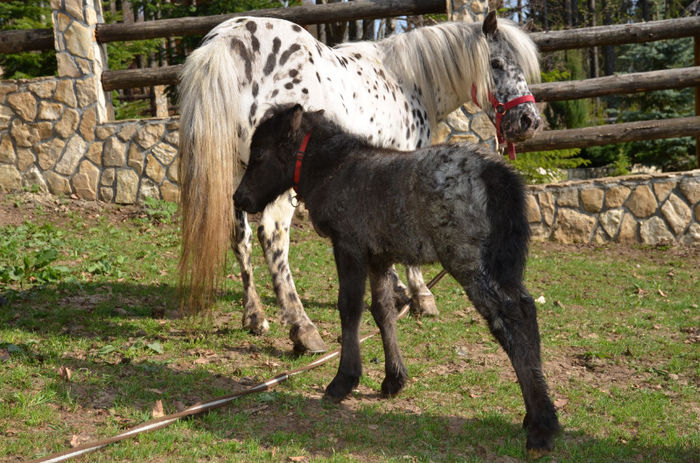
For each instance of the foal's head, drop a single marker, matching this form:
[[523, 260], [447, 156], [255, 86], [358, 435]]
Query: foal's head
[[270, 168], [514, 61]]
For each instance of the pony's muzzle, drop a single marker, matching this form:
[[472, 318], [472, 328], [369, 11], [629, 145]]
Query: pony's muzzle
[[521, 123]]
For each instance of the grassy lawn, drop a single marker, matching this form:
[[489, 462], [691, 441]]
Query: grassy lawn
[[90, 340]]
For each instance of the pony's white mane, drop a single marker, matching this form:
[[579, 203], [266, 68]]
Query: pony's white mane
[[454, 56]]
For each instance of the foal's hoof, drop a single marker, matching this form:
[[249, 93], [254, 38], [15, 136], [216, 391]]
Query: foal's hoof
[[392, 387], [423, 305], [307, 340], [256, 323], [340, 388]]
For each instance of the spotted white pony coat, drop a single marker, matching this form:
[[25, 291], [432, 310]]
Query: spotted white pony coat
[[391, 92]]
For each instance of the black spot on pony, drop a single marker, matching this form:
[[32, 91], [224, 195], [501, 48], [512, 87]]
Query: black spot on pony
[[461, 205]]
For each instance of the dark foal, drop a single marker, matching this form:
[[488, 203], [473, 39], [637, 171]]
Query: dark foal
[[460, 205]]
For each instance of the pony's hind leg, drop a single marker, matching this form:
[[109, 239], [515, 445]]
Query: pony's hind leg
[[351, 279], [385, 316], [253, 312], [423, 301], [512, 319], [273, 233]]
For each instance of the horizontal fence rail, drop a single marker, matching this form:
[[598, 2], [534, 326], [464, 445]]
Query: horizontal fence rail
[[610, 134], [617, 84]]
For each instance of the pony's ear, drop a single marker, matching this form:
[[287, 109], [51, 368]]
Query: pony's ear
[[295, 115], [490, 23]]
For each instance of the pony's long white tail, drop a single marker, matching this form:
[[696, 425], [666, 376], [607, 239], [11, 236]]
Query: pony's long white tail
[[208, 164]]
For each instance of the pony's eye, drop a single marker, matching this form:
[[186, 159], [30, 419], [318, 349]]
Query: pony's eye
[[498, 64]]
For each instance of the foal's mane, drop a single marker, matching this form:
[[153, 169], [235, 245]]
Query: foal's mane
[[455, 55]]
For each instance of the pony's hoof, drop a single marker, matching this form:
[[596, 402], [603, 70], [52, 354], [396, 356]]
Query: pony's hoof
[[423, 305], [307, 340], [256, 323], [534, 454]]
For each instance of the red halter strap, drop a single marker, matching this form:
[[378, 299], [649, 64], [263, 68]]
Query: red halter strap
[[501, 109], [300, 157]]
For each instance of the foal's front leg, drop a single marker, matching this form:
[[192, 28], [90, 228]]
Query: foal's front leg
[[273, 233], [380, 280], [351, 279]]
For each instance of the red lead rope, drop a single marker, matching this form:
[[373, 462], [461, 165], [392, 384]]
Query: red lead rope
[[501, 109], [300, 157]]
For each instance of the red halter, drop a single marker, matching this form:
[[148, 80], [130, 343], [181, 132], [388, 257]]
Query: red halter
[[501, 109], [300, 157]]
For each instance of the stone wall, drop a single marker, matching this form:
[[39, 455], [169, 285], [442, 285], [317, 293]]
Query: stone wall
[[650, 209]]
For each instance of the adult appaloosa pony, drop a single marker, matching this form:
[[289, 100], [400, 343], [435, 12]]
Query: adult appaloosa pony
[[391, 92], [460, 205]]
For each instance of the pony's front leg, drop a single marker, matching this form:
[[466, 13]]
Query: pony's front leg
[[273, 233], [423, 301], [382, 310], [253, 312], [352, 274]]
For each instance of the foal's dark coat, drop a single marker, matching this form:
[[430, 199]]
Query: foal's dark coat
[[460, 205]]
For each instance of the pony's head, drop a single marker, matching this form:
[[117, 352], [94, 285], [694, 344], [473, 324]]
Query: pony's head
[[270, 170], [514, 61]]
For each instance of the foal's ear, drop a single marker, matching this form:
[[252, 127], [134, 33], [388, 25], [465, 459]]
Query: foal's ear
[[490, 23], [295, 115]]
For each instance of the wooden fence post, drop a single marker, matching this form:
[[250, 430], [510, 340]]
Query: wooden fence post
[[697, 98]]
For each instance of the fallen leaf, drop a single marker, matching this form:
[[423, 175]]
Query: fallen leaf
[[154, 390], [74, 441], [661, 293], [157, 410], [65, 372], [302, 459], [559, 304], [541, 300], [560, 403]]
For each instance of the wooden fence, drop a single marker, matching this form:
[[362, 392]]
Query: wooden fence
[[15, 41]]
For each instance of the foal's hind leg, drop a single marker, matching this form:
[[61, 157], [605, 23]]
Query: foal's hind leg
[[253, 313], [385, 316], [512, 318], [423, 301], [273, 233]]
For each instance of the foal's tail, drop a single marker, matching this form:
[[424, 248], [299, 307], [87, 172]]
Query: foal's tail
[[505, 251], [208, 166]]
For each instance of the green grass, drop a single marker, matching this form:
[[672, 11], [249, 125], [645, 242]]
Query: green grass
[[93, 291]]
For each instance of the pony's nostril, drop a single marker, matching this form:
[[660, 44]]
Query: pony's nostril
[[525, 122]]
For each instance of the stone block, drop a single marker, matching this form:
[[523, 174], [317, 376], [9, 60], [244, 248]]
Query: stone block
[[654, 231], [164, 153], [48, 153], [50, 111], [592, 199], [10, 178], [677, 213], [567, 198], [24, 104], [103, 132], [137, 158], [85, 65], [94, 152], [690, 187], [662, 189], [464, 137], [44, 130], [7, 87], [108, 176], [599, 236], [106, 194], [25, 159], [148, 189], [114, 153], [154, 170], [79, 40], [641, 202], [62, 21], [482, 126], [7, 150], [174, 171], [65, 93], [74, 152], [58, 184], [539, 232], [546, 207], [23, 134], [628, 229], [149, 134], [170, 192], [441, 133], [33, 178], [573, 227], [532, 209], [87, 124], [66, 65], [173, 125], [86, 91], [43, 89], [127, 131], [173, 138], [610, 221], [692, 236], [457, 121], [75, 9], [68, 123], [127, 186], [6, 114], [616, 196], [85, 181]]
